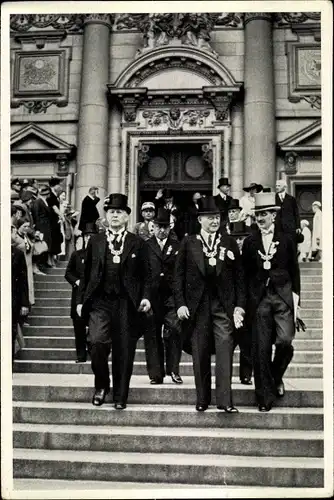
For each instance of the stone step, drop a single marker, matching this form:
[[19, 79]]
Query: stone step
[[53, 301], [67, 331], [147, 440], [295, 370], [48, 284], [67, 342], [54, 278], [164, 415], [53, 293], [311, 295], [50, 320], [64, 354], [78, 387], [170, 467]]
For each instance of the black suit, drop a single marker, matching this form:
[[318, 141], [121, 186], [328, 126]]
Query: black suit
[[20, 291], [74, 272], [287, 218], [113, 318], [223, 205], [211, 296], [192, 226], [89, 212], [270, 307], [164, 314]]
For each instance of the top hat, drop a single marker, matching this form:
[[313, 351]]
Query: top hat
[[54, 181], [117, 200], [44, 190], [234, 204], [90, 228], [253, 185], [207, 205], [167, 193], [265, 201], [163, 217], [148, 205], [238, 229], [223, 181]]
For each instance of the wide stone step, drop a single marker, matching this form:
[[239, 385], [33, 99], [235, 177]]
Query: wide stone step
[[38, 342], [170, 467], [50, 320], [140, 439], [48, 284], [70, 387], [295, 370], [53, 301], [165, 416], [53, 293], [311, 295], [63, 354], [54, 278]]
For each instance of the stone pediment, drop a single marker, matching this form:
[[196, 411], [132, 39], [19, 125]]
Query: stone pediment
[[33, 141], [305, 140]]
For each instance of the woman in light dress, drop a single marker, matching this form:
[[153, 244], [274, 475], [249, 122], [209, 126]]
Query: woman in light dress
[[317, 231], [305, 248]]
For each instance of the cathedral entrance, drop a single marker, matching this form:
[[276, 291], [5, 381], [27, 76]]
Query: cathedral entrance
[[183, 168]]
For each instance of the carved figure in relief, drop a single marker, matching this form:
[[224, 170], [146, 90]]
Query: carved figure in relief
[[195, 30]]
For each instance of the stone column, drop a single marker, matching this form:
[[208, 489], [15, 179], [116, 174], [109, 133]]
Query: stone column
[[114, 158], [92, 156], [259, 106], [237, 162]]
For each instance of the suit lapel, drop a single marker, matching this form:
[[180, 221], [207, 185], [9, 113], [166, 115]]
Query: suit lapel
[[155, 246], [128, 244], [220, 262], [197, 251]]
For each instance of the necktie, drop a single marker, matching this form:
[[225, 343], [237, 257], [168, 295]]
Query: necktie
[[161, 244], [210, 241], [267, 231]]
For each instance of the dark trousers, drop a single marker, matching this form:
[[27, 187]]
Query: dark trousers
[[79, 326], [242, 337], [273, 324], [167, 346], [15, 320], [107, 332], [212, 324]]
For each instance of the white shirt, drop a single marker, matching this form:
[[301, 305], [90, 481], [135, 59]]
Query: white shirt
[[282, 196], [223, 195], [267, 237], [161, 243], [205, 237]]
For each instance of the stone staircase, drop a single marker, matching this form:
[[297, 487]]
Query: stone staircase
[[62, 441]]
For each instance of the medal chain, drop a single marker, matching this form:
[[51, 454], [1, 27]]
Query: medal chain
[[111, 246], [270, 254], [213, 252]]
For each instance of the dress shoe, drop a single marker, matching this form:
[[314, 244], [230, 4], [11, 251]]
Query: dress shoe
[[264, 408], [201, 407], [99, 396], [81, 360], [156, 381], [120, 406], [228, 409], [280, 390], [246, 381], [176, 378]]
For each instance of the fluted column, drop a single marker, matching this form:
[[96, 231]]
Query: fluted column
[[259, 107], [92, 156], [114, 158], [237, 174]]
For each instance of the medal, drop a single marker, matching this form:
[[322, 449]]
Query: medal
[[212, 261], [266, 265], [116, 259]]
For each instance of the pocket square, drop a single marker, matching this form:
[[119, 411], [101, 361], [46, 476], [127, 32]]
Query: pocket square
[[133, 255], [230, 255]]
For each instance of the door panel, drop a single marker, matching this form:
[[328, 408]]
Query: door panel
[[306, 194]]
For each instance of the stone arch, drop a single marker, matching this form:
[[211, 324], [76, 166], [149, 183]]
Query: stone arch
[[206, 69]]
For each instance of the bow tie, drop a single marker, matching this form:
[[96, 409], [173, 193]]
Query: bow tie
[[267, 231]]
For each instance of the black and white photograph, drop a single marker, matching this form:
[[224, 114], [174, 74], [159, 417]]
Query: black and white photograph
[[166, 250]]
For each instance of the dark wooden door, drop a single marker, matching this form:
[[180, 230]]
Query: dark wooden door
[[306, 194]]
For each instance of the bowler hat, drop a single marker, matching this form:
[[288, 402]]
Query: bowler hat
[[253, 185], [117, 200], [265, 201], [234, 204], [207, 205], [238, 229], [223, 181], [162, 217]]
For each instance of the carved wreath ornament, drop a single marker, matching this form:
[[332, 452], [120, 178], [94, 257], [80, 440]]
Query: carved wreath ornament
[[175, 118]]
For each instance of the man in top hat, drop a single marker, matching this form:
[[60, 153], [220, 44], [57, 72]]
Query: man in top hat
[[162, 250], [73, 274], [145, 229], [233, 213], [89, 211], [210, 300], [272, 277], [114, 289], [287, 219], [247, 203], [223, 201], [243, 336]]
